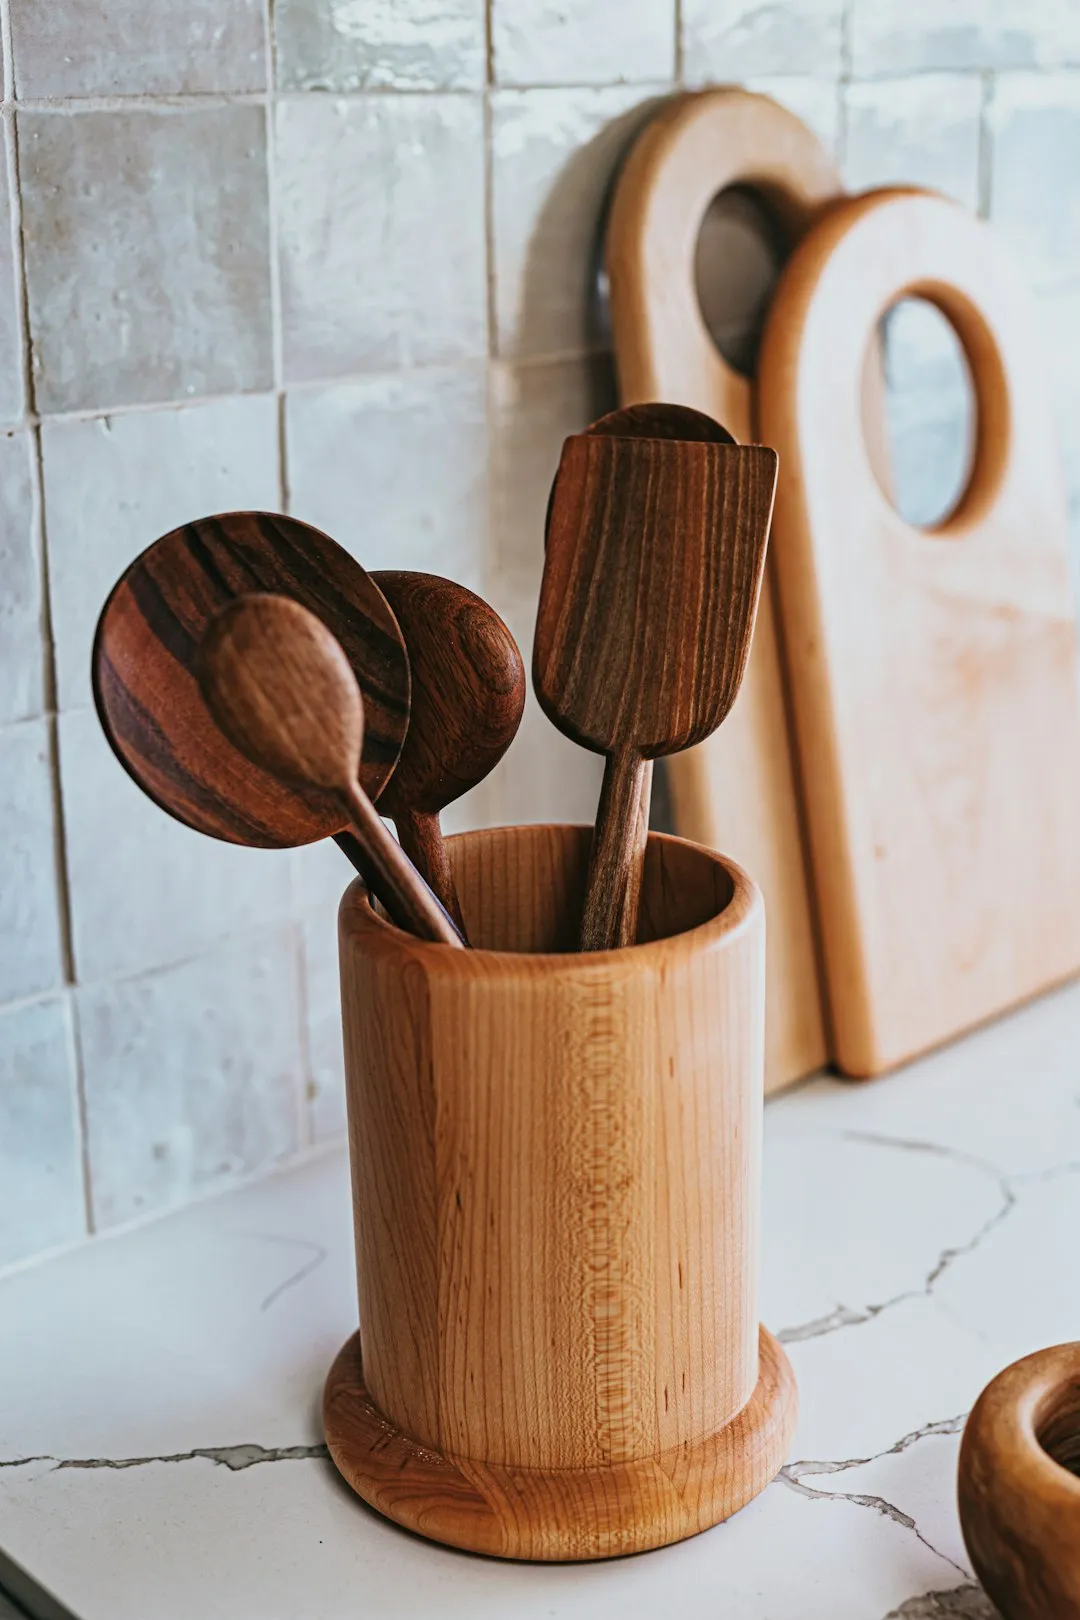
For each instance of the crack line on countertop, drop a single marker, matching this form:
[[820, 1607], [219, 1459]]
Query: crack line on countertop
[[846, 1316], [234, 1458], [878, 1504], [967, 1602], [317, 1251]]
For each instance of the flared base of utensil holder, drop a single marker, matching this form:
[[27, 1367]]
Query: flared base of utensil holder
[[559, 1513]]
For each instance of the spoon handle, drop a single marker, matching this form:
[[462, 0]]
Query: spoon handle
[[613, 885], [398, 884], [422, 840]]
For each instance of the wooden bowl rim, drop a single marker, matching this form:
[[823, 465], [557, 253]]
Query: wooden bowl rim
[[1008, 1415]]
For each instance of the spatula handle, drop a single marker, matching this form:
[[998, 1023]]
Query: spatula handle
[[613, 885], [422, 840], [397, 883]]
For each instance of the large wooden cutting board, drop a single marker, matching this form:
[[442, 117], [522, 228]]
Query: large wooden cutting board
[[933, 673], [735, 792]]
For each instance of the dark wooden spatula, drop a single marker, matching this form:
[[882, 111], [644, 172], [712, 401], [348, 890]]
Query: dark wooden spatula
[[149, 701], [652, 572], [283, 692], [468, 691]]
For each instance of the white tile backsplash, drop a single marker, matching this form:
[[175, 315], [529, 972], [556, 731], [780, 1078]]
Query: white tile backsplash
[[147, 253], [342, 255], [31, 949], [910, 36], [22, 631], [144, 889], [560, 42], [729, 40], [1034, 207], [191, 1074], [114, 484], [380, 204], [11, 342], [919, 131], [137, 47], [553, 156], [343, 45], [42, 1203], [394, 467]]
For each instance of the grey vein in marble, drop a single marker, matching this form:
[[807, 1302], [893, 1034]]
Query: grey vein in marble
[[231, 1457], [844, 1316], [961, 1603]]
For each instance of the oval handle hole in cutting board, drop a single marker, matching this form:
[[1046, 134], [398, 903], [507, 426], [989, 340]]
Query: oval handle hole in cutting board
[[931, 414], [737, 261]]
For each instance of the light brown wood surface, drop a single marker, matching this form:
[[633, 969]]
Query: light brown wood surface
[[652, 573], [735, 792], [556, 1166], [1019, 1486], [933, 674]]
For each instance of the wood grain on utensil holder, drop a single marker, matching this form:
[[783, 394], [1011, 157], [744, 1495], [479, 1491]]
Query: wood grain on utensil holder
[[555, 1170], [651, 580]]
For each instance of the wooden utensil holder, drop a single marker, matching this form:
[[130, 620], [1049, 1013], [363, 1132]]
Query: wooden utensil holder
[[556, 1167]]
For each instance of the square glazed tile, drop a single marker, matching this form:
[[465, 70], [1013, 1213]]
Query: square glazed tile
[[554, 156], [816, 101], [145, 890], [147, 254], [192, 1074], [22, 645], [1034, 199], [912, 36], [394, 467], [381, 232], [31, 956], [535, 42], [11, 343], [544, 777], [346, 45], [921, 131], [137, 47], [41, 1191], [726, 41], [114, 484], [533, 409]]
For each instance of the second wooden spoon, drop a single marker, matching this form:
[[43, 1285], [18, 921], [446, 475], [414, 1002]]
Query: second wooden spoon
[[468, 692]]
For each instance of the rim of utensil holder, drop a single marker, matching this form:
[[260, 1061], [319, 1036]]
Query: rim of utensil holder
[[358, 913]]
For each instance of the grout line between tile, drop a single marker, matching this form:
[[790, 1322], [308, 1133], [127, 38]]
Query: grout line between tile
[[75, 1022]]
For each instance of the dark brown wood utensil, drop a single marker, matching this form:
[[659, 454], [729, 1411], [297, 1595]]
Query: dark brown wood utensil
[[282, 690], [652, 574], [650, 419], [149, 701], [468, 692]]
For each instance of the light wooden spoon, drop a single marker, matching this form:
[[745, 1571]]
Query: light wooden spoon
[[280, 687]]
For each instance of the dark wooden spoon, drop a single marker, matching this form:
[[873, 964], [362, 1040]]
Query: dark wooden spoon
[[468, 692], [280, 687], [149, 701], [651, 580]]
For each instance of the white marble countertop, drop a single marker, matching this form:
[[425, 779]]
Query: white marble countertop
[[160, 1448]]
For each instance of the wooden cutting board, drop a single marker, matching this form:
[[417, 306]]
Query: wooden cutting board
[[735, 792], [933, 673]]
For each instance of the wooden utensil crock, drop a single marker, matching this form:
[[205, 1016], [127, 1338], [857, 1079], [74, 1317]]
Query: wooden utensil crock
[[556, 1176], [1019, 1486]]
